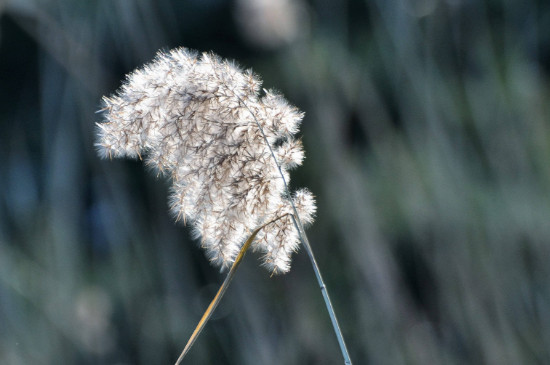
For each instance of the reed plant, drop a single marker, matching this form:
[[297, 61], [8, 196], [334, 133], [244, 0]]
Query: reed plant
[[227, 149]]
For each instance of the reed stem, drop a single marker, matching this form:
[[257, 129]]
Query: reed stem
[[223, 288], [307, 247]]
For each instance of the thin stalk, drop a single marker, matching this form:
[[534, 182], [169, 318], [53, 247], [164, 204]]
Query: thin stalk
[[324, 291], [305, 242], [223, 288]]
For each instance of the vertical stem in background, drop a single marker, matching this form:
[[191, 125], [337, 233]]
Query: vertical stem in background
[[307, 247]]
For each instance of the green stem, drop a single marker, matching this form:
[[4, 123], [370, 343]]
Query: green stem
[[307, 247]]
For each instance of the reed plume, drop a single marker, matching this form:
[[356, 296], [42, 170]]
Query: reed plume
[[195, 119], [202, 121]]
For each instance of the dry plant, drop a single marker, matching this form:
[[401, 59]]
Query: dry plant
[[202, 121]]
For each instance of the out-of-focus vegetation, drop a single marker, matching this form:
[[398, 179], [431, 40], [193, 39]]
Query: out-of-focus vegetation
[[427, 136]]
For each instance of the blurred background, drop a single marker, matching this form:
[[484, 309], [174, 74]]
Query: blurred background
[[427, 137]]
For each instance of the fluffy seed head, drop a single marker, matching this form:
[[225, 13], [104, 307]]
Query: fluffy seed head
[[195, 118]]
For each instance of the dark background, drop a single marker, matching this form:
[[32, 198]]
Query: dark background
[[427, 138]]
